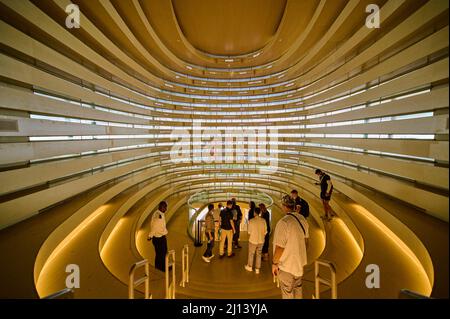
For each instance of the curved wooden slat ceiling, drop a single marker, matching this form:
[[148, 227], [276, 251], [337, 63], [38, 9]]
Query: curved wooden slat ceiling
[[368, 105]]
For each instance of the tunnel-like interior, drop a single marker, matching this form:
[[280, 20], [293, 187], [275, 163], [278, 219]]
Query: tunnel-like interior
[[109, 107]]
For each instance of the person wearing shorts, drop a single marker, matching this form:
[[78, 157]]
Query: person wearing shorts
[[326, 189]]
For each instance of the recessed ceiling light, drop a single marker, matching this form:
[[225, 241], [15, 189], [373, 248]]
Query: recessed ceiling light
[[229, 60], [256, 54], [269, 67], [188, 67], [166, 84]]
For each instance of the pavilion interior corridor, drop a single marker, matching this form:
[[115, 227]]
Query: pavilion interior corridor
[[110, 107]]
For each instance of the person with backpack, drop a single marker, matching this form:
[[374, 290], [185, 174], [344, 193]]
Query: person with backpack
[[290, 242], [302, 205]]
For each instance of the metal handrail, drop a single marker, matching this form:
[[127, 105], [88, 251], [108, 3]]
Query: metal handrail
[[409, 294], [320, 280], [184, 266], [170, 266], [66, 293], [132, 283]]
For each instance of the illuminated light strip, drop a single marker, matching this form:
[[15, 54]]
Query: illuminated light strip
[[68, 239], [395, 239]]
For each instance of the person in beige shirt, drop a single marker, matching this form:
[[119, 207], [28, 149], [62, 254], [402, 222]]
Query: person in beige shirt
[[257, 230]]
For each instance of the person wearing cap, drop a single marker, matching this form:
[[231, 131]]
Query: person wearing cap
[[157, 235], [289, 250]]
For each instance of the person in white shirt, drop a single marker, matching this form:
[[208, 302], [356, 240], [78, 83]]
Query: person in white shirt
[[157, 235], [257, 230], [289, 256]]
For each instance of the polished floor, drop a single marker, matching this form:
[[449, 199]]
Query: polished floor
[[105, 274]]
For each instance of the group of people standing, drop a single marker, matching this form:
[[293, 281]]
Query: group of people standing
[[224, 222], [290, 240]]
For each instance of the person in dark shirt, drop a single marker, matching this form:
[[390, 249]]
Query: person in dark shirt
[[251, 211], [302, 205], [237, 217], [266, 215], [326, 189], [227, 229]]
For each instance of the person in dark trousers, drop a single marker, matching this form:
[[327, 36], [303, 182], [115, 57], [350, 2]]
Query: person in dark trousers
[[157, 235], [251, 211], [237, 217], [209, 232], [266, 216], [302, 205], [326, 189]]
